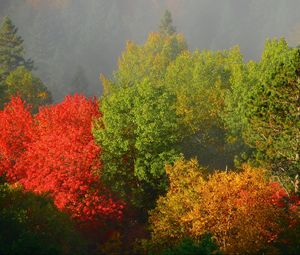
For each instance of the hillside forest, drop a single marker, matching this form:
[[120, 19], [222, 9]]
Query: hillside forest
[[185, 152]]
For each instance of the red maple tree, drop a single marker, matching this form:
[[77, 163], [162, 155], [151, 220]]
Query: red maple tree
[[16, 126], [54, 152]]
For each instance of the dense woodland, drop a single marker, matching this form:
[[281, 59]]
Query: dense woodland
[[186, 152]]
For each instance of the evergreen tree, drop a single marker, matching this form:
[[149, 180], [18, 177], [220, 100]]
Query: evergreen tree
[[166, 27], [12, 54], [273, 108]]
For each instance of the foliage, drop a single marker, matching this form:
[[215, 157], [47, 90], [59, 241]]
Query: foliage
[[148, 61], [274, 108], [136, 142], [31, 89], [11, 50], [288, 241], [264, 108], [188, 247], [235, 108], [15, 71], [200, 81], [62, 159], [162, 101], [236, 208], [31, 224], [165, 219], [54, 152], [139, 131], [166, 28], [16, 128]]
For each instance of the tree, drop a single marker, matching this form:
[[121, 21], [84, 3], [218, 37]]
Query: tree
[[62, 160], [274, 108], [235, 109], [267, 104], [54, 152], [200, 81], [12, 54], [21, 82], [166, 27], [15, 76], [148, 61], [136, 143], [31, 224], [166, 220], [239, 209], [16, 128], [189, 247]]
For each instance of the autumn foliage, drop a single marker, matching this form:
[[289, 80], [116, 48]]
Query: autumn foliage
[[16, 129], [57, 155], [240, 209], [66, 169]]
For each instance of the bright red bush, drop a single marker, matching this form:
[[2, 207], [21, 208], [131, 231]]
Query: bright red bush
[[16, 123], [283, 199], [54, 152], [290, 203]]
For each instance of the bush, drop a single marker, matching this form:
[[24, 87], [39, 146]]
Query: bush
[[188, 247], [242, 210], [31, 224]]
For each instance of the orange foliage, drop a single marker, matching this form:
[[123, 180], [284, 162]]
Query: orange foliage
[[167, 218], [237, 208]]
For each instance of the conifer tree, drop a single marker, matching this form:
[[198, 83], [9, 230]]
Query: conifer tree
[[12, 54], [166, 27]]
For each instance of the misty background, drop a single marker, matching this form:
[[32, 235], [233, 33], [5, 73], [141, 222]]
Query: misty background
[[79, 39]]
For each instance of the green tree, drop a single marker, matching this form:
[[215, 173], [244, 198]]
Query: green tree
[[12, 53], [273, 109], [149, 60], [166, 27], [187, 246], [31, 224], [200, 81], [31, 89], [138, 134], [243, 78], [139, 129], [264, 107]]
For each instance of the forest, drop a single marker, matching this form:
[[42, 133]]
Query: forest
[[185, 152]]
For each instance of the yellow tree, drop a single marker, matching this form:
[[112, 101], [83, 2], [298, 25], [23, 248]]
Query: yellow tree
[[236, 208], [201, 80], [147, 61], [166, 219], [31, 89]]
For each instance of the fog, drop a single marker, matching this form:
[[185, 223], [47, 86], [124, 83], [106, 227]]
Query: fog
[[63, 36]]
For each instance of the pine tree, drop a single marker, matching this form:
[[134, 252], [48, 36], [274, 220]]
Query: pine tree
[[12, 53], [166, 27]]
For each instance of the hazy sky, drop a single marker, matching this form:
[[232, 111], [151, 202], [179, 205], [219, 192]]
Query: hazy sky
[[64, 34]]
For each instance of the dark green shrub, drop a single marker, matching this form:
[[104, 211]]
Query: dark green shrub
[[31, 224], [187, 246]]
